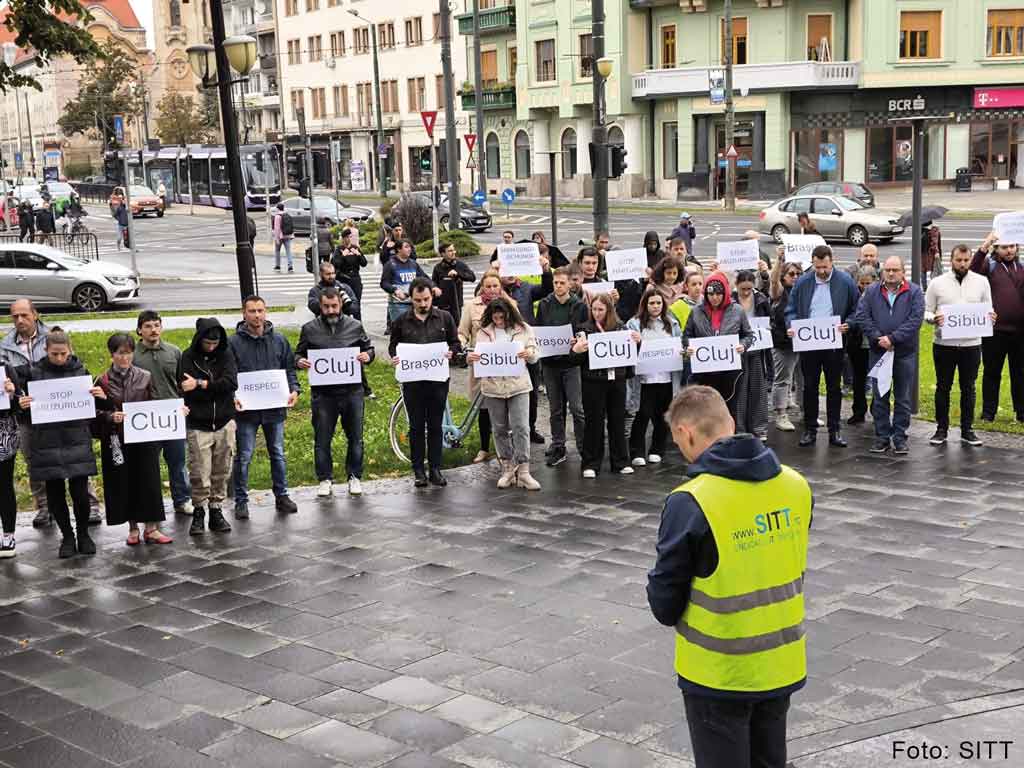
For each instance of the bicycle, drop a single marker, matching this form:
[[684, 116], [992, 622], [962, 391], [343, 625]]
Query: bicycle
[[452, 435], [77, 229]]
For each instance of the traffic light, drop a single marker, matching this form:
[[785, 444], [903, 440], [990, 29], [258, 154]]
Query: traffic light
[[303, 187], [425, 159], [616, 161], [295, 171]]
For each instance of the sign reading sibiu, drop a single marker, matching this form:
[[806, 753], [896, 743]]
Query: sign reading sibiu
[[262, 390], [553, 340], [715, 353], [334, 366], [499, 358], [518, 259], [61, 399], [816, 333], [611, 350], [659, 356], [154, 420], [422, 362], [966, 321]]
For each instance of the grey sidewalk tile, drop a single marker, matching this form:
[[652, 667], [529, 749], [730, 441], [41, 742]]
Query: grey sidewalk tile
[[207, 694], [891, 650], [352, 746], [276, 719], [48, 751], [488, 751], [477, 714], [606, 753], [412, 692], [418, 730], [348, 706]]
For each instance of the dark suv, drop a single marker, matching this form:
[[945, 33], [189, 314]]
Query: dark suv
[[852, 189]]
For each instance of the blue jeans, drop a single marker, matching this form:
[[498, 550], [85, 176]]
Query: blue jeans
[[902, 375], [245, 439], [177, 471], [278, 244], [396, 308], [327, 408]]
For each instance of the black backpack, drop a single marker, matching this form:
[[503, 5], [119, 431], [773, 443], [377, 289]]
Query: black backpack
[[287, 227]]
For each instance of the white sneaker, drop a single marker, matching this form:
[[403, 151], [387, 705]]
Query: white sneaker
[[639, 461], [783, 424], [589, 474], [355, 487], [325, 489], [184, 509], [821, 422], [627, 470], [654, 459]]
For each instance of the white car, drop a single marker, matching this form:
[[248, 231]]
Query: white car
[[50, 277]]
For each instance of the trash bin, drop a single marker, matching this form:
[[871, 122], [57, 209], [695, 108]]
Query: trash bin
[[963, 180]]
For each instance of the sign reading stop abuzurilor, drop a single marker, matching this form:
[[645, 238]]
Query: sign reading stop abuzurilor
[[56, 400]]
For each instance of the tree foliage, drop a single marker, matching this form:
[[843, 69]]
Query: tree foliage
[[107, 89], [180, 121], [50, 28]]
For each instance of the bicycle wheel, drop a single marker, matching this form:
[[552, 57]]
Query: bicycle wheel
[[398, 430]]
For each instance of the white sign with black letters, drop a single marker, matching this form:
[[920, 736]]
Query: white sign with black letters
[[596, 289], [262, 390], [966, 321], [422, 362], [1009, 227], [498, 358], [154, 420], [627, 264], [61, 399], [816, 333], [518, 259], [741, 254], [762, 328], [660, 356], [715, 353], [798, 248], [613, 349], [553, 340], [334, 366]]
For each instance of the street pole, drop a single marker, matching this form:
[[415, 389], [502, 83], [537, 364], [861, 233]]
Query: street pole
[[450, 135], [21, 142], [266, 190], [435, 197], [313, 235], [191, 194], [915, 241], [479, 93], [31, 141], [382, 161], [599, 171], [554, 199], [730, 115], [128, 205]]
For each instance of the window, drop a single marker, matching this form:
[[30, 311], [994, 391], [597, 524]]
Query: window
[[493, 156], [386, 35], [364, 101], [522, 151], [389, 96], [818, 156], [319, 103], [337, 44], [361, 39], [920, 34], [417, 93], [341, 101], [294, 52], [298, 103], [545, 61], [569, 154], [670, 151], [615, 139], [891, 153], [489, 68], [312, 5], [25, 260], [414, 31], [513, 62], [1005, 33], [174, 13], [439, 87], [586, 55], [437, 26], [291, 7], [739, 40], [668, 46], [819, 35], [314, 45]]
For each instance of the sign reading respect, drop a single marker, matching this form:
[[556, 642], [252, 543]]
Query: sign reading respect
[[263, 390]]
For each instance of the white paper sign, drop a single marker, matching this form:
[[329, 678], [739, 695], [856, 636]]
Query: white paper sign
[[498, 358], [422, 362], [762, 328], [518, 259], [61, 400], [715, 353], [798, 248], [966, 321], [882, 372], [611, 350], [334, 366], [741, 254], [1009, 227], [262, 390], [816, 333], [627, 264], [5, 401], [660, 356], [553, 340], [154, 420], [596, 289]]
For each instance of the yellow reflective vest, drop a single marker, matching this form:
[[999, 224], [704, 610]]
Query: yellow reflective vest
[[743, 628]]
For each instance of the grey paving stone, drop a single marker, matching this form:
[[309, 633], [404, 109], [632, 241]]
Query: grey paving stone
[[219, 602], [101, 735], [150, 642], [352, 746], [290, 687], [355, 675], [256, 750], [956, 663], [209, 695], [891, 650], [239, 640], [421, 731], [630, 721], [34, 705], [477, 714], [940, 690], [22, 627], [447, 668], [299, 626], [296, 657], [169, 618], [277, 719], [42, 607], [49, 751], [422, 760], [199, 730], [88, 688], [965, 622], [606, 753], [542, 735], [488, 751], [226, 667], [879, 678], [412, 692], [126, 666], [348, 706], [13, 732], [173, 756]]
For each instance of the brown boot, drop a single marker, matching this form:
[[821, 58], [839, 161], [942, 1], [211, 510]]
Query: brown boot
[[525, 479], [508, 474]]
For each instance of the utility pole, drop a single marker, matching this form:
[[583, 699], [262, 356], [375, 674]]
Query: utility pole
[[730, 115], [382, 161], [478, 101], [599, 139], [313, 242], [450, 136], [31, 141], [554, 198]]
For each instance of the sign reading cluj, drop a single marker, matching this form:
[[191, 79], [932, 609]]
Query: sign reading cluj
[[816, 333], [715, 353], [334, 366], [422, 362], [61, 399], [613, 349], [154, 420], [262, 390]]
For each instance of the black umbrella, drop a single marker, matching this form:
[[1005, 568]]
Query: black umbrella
[[928, 213]]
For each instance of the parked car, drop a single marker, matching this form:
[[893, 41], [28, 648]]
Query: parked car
[[328, 211], [50, 277], [474, 218], [835, 216], [851, 189], [94, 180]]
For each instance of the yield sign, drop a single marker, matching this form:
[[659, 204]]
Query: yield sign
[[470, 141], [429, 117], [732, 151]]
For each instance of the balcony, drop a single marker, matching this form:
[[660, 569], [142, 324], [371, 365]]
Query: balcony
[[780, 76], [497, 97], [492, 20], [268, 62]]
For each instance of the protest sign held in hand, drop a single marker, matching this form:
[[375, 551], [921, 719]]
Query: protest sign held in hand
[[965, 321], [817, 333], [1009, 227], [263, 390], [613, 349], [798, 248], [741, 254], [553, 340], [61, 399], [715, 353], [334, 366], [762, 328], [422, 362], [660, 356], [152, 421], [627, 264], [499, 358], [596, 289], [518, 259]]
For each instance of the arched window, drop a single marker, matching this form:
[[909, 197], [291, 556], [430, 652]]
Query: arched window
[[493, 156], [522, 145], [569, 154], [175, 13], [615, 139]]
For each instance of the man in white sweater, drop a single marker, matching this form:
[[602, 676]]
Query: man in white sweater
[[952, 356]]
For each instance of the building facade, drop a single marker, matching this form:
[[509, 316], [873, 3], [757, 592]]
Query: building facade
[[258, 97]]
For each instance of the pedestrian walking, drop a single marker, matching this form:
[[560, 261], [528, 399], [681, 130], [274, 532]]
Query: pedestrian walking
[[755, 384], [738, 611], [258, 347], [331, 402], [425, 401], [450, 275], [123, 217], [250, 229], [469, 326], [27, 224], [857, 347], [348, 260], [9, 431], [397, 277], [507, 398], [685, 231], [284, 232], [890, 316], [208, 375], [132, 491], [786, 362], [956, 357]]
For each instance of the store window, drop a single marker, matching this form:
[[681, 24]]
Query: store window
[[522, 147], [990, 149], [670, 150], [668, 46], [569, 154], [890, 151], [739, 40], [819, 36], [817, 156], [493, 156], [1005, 33], [920, 34]]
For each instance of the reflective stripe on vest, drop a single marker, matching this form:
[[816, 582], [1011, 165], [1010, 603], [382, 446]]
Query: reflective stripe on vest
[[742, 629]]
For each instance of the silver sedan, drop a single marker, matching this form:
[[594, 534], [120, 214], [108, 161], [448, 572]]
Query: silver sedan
[[50, 277], [835, 217]]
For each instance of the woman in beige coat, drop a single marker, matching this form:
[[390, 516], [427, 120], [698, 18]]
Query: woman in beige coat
[[469, 325]]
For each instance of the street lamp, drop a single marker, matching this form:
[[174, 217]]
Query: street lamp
[[213, 65], [381, 161], [599, 136]]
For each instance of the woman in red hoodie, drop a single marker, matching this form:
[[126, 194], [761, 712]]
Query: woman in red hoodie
[[718, 315]]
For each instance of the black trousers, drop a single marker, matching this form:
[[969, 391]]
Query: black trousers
[[654, 401], [812, 365], [58, 503], [424, 403], [737, 734], [604, 402], [483, 421], [8, 499], [948, 362], [995, 350], [535, 379], [859, 363], [727, 383]]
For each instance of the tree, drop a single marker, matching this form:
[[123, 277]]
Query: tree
[[107, 89], [49, 28], [179, 121], [210, 109]]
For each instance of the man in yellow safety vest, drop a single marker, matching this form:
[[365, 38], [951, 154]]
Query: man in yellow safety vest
[[732, 550]]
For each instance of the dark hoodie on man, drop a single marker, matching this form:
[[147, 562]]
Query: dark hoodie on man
[[686, 546], [654, 254], [213, 407]]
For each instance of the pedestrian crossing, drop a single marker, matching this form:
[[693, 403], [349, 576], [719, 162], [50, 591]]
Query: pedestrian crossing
[[538, 220]]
